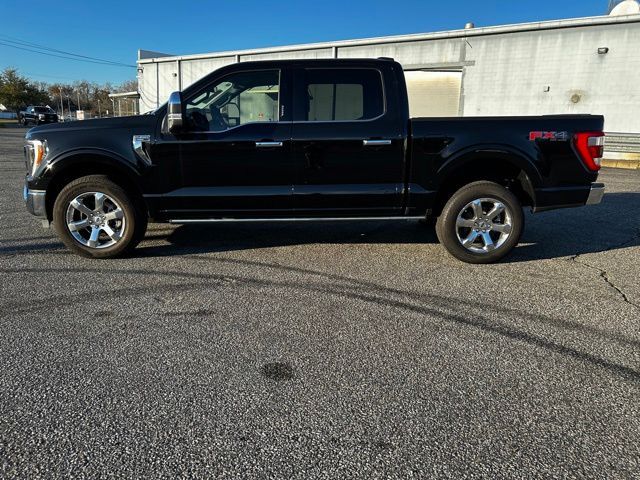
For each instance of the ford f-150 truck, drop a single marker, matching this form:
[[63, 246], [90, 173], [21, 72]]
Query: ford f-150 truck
[[37, 115], [308, 140]]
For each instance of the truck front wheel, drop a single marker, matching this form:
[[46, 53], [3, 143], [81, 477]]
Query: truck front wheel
[[481, 223], [96, 218]]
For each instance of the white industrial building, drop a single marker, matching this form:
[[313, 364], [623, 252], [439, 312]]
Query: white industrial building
[[583, 65]]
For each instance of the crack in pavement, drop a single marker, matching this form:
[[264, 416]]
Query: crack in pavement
[[603, 273]]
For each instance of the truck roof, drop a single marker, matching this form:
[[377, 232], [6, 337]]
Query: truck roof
[[275, 63]]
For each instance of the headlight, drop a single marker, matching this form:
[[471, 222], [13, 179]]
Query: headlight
[[41, 116], [35, 152]]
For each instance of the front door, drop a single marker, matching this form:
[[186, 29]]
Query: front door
[[348, 144], [235, 156]]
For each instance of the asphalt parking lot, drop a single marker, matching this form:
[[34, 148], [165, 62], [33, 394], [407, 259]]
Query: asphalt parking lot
[[322, 351]]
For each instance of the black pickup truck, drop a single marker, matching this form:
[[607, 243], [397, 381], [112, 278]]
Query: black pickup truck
[[308, 140], [37, 115]]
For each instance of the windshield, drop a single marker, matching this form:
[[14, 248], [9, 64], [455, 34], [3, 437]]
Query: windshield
[[42, 110]]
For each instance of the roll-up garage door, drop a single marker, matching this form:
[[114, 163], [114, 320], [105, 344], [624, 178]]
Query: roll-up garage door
[[433, 94]]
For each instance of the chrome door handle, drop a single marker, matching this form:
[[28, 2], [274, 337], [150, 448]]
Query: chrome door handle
[[268, 144], [375, 143]]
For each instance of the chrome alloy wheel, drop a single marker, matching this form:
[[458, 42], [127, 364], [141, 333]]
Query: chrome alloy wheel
[[95, 220], [483, 225]]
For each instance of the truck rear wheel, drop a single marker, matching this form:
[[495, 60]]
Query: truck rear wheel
[[481, 223], [96, 218]]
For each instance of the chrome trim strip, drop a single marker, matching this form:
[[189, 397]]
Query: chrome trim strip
[[294, 219], [268, 144], [595, 195], [375, 143]]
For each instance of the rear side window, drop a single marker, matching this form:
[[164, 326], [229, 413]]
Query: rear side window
[[342, 94]]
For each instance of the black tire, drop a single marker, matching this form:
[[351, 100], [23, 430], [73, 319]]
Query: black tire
[[448, 231], [132, 206]]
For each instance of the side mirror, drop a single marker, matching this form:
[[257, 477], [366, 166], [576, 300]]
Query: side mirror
[[175, 120]]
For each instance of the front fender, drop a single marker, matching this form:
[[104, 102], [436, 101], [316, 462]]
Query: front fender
[[85, 159]]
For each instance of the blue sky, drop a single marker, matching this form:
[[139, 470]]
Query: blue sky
[[115, 29]]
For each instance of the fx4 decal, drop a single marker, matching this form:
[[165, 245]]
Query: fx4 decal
[[549, 136]]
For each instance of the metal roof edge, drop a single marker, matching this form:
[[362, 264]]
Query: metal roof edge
[[133, 94], [461, 33]]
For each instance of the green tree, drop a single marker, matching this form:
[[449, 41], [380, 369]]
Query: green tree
[[17, 91]]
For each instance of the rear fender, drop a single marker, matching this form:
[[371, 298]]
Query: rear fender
[[485, 155]]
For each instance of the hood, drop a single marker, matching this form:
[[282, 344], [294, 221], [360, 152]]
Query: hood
[[95, 124]]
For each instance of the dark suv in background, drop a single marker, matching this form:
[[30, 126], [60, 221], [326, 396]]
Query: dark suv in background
[[37, 115]]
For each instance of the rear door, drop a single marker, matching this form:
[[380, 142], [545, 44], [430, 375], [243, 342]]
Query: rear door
[[347, 142]]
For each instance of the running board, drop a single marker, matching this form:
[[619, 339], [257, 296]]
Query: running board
[[309, 219]]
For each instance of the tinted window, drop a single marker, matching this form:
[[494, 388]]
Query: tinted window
[[239, 98], [342, 94], [42, 109]]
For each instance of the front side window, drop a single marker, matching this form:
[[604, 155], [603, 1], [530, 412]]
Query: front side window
[[342, 94], [237, 99]]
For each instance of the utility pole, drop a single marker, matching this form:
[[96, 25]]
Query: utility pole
[[79, 99], [99, 114], [61, 104]]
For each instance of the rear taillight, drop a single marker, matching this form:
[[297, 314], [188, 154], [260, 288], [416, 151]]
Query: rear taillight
[[590, 147]]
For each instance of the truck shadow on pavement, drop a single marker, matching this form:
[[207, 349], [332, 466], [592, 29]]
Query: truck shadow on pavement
[[513, 324], [612, 225]]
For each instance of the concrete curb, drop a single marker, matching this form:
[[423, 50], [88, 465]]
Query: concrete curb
[[626, 164]]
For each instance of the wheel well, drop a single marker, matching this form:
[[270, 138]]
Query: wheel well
[[88, 166], [500, 171]]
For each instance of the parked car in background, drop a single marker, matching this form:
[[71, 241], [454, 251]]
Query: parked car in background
[[308, 140], [37, 114]]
